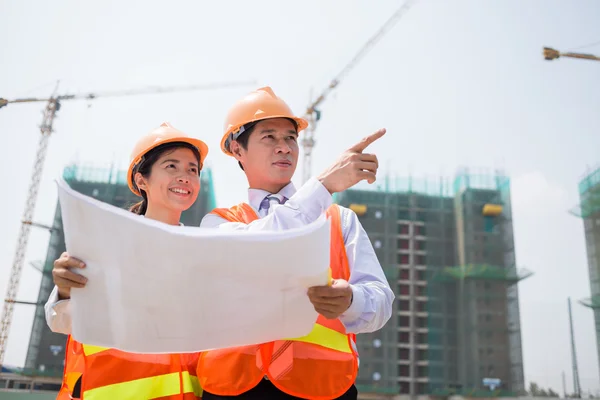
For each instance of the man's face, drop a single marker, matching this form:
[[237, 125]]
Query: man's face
[[271, 155]]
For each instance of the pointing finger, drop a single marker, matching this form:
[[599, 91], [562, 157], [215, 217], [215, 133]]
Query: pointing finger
[[367, 140]]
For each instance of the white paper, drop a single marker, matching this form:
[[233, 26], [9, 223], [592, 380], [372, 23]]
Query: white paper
[[158, 288]]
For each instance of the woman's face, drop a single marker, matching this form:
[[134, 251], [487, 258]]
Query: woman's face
[[174, 180]]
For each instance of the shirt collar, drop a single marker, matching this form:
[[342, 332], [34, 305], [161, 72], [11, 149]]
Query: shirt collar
[[255, 196]]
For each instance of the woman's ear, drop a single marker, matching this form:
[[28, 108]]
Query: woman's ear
[[140, 181]]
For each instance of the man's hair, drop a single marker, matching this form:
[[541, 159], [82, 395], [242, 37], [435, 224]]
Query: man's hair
[[244, 137]]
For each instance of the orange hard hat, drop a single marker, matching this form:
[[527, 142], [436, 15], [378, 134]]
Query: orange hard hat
[[165, 133], [256, 106]]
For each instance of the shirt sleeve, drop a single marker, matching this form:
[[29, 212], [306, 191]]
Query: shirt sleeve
[[58, 313], [373, 298], [304, 207]]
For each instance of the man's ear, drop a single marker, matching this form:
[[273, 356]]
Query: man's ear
[[140, 181], [236, 150]]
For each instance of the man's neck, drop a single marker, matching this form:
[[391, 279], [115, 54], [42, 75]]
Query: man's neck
[[271, 188]]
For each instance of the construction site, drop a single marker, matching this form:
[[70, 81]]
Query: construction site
[[446, 245], [448, 253]]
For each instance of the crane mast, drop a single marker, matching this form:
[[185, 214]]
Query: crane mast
[[46, 128], [312, 114], [15, 273]]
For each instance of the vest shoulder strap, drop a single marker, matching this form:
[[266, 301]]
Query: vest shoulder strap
[[338, 245], [239, 213]]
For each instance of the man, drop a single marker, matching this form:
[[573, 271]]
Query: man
[[261, 133]]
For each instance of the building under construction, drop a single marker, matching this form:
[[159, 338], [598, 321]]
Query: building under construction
[[589, 210], [46, 350], [447, 250]]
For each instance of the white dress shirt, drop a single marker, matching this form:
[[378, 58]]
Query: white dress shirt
[[372, 300], [58, 313]]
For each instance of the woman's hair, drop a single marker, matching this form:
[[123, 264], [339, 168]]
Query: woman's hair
[[145, 166]]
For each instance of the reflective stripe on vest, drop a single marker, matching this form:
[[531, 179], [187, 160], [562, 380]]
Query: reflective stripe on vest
[[88, 350], [147, 388], [326, 337], [158, 386]]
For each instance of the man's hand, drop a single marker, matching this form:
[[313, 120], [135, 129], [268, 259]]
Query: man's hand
[[352, 166], [331, 301], [64, 278]]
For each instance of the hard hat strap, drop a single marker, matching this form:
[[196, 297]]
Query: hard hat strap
[[235, 135]]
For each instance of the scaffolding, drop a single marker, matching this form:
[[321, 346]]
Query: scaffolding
[[589, 194], [429, 186], [207, 187], [484, 272], [109, 175], [448, 251], [591, 302], [588, 210], [589, 206]]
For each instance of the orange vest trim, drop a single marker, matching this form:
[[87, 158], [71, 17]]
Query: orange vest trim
[[320, 365], [113, 374], [74, 366], [242, 212]]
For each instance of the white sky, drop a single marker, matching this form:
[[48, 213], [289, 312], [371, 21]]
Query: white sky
[[455, 83]]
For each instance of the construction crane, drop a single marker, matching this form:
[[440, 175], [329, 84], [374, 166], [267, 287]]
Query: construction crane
[[53, 104], [313, 114], [551, 54]]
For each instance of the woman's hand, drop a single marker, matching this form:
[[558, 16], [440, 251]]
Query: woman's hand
[[64, 278]]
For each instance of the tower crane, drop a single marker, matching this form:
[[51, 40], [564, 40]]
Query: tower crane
[[313, 114], [53, 104], [551, 54]]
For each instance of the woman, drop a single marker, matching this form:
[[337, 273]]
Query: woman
[[165, 171]]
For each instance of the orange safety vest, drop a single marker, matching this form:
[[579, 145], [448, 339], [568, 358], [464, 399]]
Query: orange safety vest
[[113, 374], [74, 366], [320, 365]]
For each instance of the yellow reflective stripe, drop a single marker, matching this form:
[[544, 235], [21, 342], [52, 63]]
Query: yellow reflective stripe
[[147, 388], [88, 349], [191, 384], [326, 337]]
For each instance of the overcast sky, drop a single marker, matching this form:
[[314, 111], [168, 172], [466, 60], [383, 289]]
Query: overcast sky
[[459, 83]]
